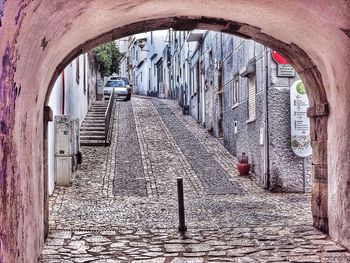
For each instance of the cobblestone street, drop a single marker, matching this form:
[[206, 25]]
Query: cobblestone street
[[122, 205]]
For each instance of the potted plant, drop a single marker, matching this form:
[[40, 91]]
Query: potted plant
[[243, 165]]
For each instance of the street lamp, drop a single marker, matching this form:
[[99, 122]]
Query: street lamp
[[142, 45]]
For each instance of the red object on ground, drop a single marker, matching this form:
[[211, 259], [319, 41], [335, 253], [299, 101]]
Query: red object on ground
[[243, 168], [278, 58]]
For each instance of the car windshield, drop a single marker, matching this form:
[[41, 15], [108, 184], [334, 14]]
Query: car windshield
[[115, 83], [121, 79]]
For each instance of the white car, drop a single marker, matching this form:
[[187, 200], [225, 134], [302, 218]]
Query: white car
[[120, 89]]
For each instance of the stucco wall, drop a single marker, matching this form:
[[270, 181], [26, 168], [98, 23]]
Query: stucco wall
[[55, 103], [76, 102]]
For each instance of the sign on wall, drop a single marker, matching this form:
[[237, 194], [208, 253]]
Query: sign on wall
[[284, 69], [278, 58], [300, 123]]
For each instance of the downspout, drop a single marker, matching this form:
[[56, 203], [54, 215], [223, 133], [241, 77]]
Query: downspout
[[266, 128], [96, 87], [63, 93], [220, 76], [168, 57]]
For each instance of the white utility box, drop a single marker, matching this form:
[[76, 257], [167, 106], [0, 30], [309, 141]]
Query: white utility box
[[63, 150]]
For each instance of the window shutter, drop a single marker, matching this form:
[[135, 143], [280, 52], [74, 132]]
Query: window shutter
[[251, 98]]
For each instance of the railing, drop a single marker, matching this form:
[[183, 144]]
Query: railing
[[108, 116]]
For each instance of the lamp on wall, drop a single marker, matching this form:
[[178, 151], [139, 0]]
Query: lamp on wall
[[141, 45]]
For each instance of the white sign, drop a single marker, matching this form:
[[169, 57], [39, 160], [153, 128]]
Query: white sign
[[285, 70], [300, 123]]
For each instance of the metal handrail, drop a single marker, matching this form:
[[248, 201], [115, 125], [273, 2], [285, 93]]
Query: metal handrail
[[108, 115]]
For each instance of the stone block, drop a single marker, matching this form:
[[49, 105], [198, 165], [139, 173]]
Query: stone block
[[64, 170], [318, 110], [319, 205], [319, 152], [318, 128], [320, 173]]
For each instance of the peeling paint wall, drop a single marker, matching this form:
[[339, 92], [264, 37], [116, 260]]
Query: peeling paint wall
[[38, 38]]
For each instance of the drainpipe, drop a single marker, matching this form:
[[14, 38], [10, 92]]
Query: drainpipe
[[266, 126], [63, 94], [220, 85]]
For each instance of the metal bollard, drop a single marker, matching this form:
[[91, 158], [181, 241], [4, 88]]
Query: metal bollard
[[180, 195]]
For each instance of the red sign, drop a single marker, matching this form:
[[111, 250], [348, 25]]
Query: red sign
[[278, 58]]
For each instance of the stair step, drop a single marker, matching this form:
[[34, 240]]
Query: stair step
[[96, 114], [92, 125], [97, 111], [98, 108], [98, 119], [94, 118], [92, 143], [94, 121], [92, 128], [92, 133], [92, 137]]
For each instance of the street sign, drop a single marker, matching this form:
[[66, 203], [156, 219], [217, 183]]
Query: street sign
[[278, 58], [300, 123], [285, 70]]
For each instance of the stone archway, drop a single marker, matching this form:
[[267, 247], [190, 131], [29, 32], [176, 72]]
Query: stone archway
[[39, 38]]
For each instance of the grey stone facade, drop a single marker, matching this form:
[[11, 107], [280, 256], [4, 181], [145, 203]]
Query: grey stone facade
[[276, 167]]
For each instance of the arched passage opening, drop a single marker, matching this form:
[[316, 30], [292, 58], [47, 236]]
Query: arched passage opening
[[299, 59], [304, 52]]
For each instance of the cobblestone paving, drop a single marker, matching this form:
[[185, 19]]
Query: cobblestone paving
[[213, 178], [94, 221], [129, 179]]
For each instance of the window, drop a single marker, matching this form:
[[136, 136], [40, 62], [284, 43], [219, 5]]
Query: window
[[251, 98], [211, 68], [234, 87], [77, 70], [84, 76]]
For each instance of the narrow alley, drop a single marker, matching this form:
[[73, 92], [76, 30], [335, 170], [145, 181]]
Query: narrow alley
[[122, 206]]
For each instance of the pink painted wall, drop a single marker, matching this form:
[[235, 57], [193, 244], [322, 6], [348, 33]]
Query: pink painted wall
[[36, 35]]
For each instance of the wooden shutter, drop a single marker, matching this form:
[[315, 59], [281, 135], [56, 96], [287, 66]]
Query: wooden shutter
[[251, 98]]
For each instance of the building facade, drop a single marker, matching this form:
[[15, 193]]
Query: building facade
[[134, 62], [231, 87], [72, 95], [145, 62]]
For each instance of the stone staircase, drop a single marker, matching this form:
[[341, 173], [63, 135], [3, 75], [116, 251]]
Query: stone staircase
[[92, 130]]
